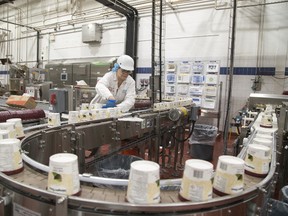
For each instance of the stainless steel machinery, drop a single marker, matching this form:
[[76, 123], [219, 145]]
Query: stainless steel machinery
[[98, 69], [81, 71], [274, 99], [18, 76], [60, 74], [281, 102], [82, 94], [40, 91], [89, 72], [25, 193], [69, 98], [68, 74]]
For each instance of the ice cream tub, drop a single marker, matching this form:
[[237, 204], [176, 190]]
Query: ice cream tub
[[267, 131], [54, 119], [85, 106], [262, 141], [63, 176], [18, 126], [257, 160], [144, 182], [10, 127], [93, 114], [4, 134], [95, 106], [84, 115], [196, 182], [229, 175], [10, 156], [264, 136], [266, 121], [102, 114], [73, 117], [112, 112]]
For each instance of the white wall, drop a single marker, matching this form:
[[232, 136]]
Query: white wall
[[196, 34]]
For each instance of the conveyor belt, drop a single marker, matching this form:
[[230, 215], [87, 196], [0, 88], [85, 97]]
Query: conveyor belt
[[38, 180], [28, 188]]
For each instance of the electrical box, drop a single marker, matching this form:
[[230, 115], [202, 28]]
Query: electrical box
[[91, 33], [60, 100]]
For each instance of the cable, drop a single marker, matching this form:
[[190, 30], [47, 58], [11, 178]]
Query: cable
[[190, 133]]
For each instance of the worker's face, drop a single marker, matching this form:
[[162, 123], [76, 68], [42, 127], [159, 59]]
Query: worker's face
[[122, 74]]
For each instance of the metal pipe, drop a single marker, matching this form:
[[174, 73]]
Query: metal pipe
[[253, 5], [5, 30], [96, 14], [179, 9], [45, 29], [160, 49], [132, 25], [38, 49], [145, 9], [220, 104], [141, 4], [153, 63], [231, 71], [260, 47], [29, 27]]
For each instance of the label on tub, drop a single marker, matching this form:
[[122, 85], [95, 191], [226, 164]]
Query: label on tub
[[229, 175], [63, 176], [257, 159], [144, 183]]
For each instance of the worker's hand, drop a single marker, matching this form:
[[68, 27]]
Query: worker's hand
[[110, 103]]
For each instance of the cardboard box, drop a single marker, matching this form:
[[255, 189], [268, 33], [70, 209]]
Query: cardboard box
[[21, 101]]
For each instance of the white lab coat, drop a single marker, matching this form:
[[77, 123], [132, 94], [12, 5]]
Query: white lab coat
[[108, 86]]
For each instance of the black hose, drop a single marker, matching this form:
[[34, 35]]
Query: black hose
[[190, 133]]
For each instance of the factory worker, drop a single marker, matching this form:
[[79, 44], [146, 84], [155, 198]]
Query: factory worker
[[117, 88]]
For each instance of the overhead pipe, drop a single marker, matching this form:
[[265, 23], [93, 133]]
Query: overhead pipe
[[252, 5], [5, 30], [6, 1], [95, 13], [140, 4], [29, 27], [131, 15]]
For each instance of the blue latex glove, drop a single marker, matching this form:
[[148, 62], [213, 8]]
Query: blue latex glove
[[110, 103]]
